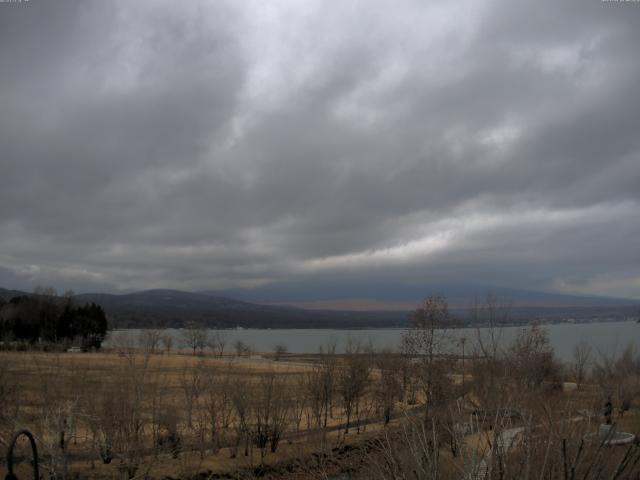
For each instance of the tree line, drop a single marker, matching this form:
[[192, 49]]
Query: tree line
[[48, 319]]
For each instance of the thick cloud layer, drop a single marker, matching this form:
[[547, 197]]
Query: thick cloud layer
[[205, 145]]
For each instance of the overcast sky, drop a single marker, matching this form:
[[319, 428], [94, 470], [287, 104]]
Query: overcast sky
[[212, 145]]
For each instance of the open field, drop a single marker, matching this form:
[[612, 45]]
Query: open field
[[142, 410], [130, 413]]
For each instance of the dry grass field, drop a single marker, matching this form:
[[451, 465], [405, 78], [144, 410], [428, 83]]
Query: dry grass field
[[128, 413], [97, 414]]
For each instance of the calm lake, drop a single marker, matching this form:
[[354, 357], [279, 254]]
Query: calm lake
[[603, 337]]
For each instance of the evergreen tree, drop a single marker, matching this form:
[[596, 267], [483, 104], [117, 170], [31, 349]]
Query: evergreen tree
[[45, 318]]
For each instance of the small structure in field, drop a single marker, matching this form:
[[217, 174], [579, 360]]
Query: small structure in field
[[607, 433]]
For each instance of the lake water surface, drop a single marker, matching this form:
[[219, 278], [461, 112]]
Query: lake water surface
[[603, 337]]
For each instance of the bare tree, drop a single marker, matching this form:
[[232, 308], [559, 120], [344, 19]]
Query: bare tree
[[320, 388], [579, 365], [149, 340], [353, 378], [123, 343], [315, 393], [123, 414], [195, 337], [158, 408], [191, 383], [299, 401], [389, 382], [59, 416], [269, 413], [279, 351], [241, 400], [43, 291], [167, 343], [218, 406], [427, 335], [169, 436], [327, 379], [488, 366], [531, 357], [241, 348], [427, 340], [217, 343], [489, 318]]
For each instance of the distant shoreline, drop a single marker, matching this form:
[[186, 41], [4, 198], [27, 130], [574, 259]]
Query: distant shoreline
[[452, 327]]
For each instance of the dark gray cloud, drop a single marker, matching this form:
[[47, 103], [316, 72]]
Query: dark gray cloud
[[211, 145]]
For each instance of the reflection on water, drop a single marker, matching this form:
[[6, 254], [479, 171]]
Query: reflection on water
[[603, 337]]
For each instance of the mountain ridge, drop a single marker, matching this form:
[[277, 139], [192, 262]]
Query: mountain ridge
[[163, 308], [458, 296]]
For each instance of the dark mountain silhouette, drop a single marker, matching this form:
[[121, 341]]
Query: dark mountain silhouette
[[175, 308], [460, 296], [7, 295]]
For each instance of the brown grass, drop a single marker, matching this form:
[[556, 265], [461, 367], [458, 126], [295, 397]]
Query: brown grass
[[42, 382]]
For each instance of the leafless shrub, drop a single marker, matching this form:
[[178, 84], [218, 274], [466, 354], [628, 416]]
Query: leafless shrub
[[534, 448], [169, 438], [58, 429], [410, 453]]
